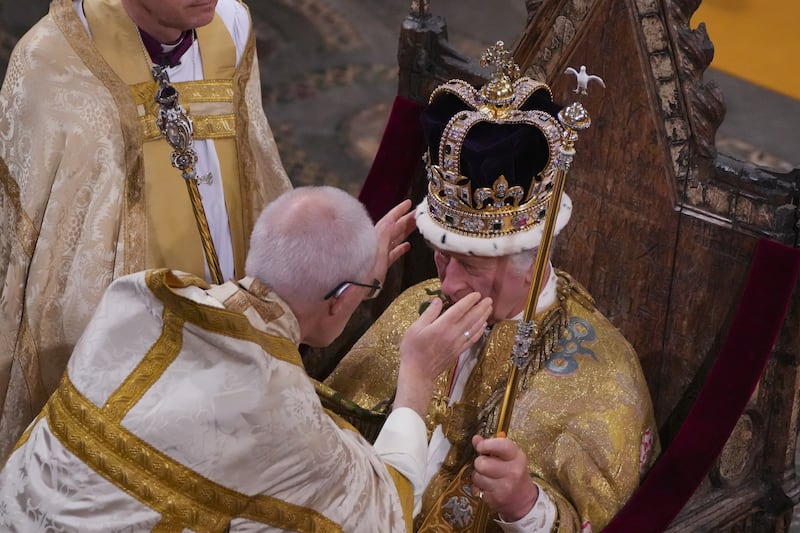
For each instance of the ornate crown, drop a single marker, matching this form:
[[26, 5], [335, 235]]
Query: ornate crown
[[491, 160]]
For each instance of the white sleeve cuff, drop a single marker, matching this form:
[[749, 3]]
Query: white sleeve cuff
[[540, 518], [403, 445]]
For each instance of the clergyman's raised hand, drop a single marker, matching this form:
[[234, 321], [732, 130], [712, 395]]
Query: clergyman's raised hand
[[392, 230]]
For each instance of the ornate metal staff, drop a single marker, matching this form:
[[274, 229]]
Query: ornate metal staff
[[573, 118], [176, 126]]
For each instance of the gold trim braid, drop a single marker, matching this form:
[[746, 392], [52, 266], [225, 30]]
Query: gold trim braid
[[183, 497], [209, 102], [149, 370], [191, 91], [406, 493], [246, 161], [133, 222], [205, 127], [136, 467], [216, 320], [25, 230], [178, 493]]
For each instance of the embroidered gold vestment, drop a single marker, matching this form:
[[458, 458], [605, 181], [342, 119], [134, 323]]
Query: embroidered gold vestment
[[87, 193], [584, 418]]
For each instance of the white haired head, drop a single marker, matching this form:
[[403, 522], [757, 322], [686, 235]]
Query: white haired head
[[309, 240]]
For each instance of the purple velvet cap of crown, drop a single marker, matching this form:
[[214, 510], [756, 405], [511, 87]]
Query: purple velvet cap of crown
[[493, 198]]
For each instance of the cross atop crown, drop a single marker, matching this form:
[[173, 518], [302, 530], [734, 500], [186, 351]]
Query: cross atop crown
[[498, 92]]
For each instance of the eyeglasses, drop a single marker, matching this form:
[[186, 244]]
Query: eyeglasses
[[337, 291]]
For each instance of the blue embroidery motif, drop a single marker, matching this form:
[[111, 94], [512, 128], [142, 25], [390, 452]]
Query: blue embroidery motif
[[563, 359]]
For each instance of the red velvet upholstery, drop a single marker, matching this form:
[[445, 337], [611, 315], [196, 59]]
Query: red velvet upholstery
[[724, 395], [399, 157]]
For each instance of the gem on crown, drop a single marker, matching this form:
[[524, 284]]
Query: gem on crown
[[502, 208]]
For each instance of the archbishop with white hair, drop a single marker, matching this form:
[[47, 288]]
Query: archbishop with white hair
[[186, 406]]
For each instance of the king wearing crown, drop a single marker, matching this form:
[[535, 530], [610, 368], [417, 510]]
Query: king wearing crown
[[582, 431]]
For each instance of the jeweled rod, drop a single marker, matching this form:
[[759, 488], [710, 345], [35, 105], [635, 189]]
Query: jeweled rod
[[176, 126], [573, 118]]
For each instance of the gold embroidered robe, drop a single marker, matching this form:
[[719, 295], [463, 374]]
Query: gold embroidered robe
[[188, 407], [584, 419], [82, 198]]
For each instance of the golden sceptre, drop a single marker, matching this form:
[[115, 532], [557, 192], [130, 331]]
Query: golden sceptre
[[176, 126], [573, 118]]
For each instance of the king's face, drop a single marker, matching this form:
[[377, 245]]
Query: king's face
[[493, 277]]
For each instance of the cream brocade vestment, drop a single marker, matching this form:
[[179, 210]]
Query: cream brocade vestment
[[188, 407], [87, 192], [584, 419]]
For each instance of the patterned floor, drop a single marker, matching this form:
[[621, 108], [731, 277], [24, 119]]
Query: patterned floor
[[328, 69]]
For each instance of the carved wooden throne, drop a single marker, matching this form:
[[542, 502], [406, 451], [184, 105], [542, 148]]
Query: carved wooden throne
[[663, 226]]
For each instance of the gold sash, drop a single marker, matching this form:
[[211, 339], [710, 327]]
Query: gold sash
[[171, 237]]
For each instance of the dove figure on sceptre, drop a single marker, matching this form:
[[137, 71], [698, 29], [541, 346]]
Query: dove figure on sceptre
[[583, 78]]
